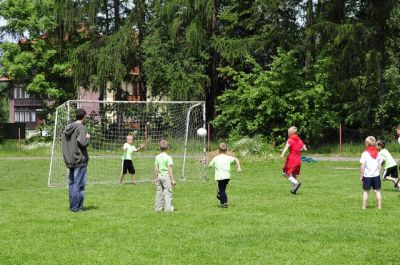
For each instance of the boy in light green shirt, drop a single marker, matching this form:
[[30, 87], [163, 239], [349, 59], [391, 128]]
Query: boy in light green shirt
[[164, 179], [390, 170], [222, 165], [127, 165]]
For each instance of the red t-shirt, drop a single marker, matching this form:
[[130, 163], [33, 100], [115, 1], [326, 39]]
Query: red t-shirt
[[295, 147]]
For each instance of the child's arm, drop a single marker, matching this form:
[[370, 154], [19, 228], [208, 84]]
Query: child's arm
[[304, 148], [239, 169], [141, 147], [124, 147], [171, 175], [362, 169], [284, 150], [155, 171]]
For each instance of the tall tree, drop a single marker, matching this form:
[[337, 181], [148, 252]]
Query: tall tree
[[177, 49], [37, 61], [113, 31]]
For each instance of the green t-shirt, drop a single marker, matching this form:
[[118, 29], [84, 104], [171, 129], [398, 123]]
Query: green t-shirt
[[222, 165], [387, 158], [129, 149], [163, 160]]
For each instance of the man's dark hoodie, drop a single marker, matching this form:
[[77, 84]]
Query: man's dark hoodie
[[74, 145]]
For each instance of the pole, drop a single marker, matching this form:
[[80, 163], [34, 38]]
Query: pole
[[340, 138], [208, 137], [19, 138], [186, 138]]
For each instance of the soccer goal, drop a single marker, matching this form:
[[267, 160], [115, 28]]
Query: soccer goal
[[109, 123]]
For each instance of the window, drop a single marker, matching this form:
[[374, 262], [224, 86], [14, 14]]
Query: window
[[24, 114], [19, 92]]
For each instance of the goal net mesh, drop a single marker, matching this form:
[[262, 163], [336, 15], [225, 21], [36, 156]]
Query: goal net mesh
[[108, 124]]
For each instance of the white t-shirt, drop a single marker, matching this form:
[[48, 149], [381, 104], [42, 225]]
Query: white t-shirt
[[372, 166], [222, 165], [129, 149]]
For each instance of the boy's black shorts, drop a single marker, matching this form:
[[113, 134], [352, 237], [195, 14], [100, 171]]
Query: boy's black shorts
[[391, 171], [127, 166], [374, 182]]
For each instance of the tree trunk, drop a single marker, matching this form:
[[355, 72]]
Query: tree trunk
[[140, 8], [310, 34], [117, 18], [213, 92]]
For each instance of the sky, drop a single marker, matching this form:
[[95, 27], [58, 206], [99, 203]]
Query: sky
[[5, 37]]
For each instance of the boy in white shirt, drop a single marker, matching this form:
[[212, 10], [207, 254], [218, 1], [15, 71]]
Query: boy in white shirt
[[222, 165], [390, 171], [371, 162]]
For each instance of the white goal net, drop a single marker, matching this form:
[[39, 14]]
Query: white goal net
[[109, 123]]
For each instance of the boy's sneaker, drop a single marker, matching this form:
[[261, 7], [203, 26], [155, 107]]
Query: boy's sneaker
[[294, 190], [224, 205], [396, 183]]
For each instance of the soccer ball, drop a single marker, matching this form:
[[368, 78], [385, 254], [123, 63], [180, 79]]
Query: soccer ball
[[201, 132]]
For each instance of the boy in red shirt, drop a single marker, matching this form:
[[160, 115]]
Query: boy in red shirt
[[291, 169]]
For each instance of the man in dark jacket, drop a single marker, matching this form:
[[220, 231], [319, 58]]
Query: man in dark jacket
[[75, 140]]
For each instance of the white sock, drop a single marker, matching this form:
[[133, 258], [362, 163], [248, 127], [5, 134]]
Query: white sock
[[293, 180]]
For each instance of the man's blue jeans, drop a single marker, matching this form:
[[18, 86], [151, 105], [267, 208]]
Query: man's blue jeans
[[76, 187]]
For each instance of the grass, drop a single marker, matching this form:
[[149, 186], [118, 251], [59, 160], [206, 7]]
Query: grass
[[264, 224]]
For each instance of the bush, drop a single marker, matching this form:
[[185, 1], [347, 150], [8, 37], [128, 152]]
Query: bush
[[255, 148]]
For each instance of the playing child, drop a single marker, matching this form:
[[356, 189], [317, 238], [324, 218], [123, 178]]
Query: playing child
[[371, 162], [127, 165], [164, 179], [291, 168], [222, 165], [390, 170]]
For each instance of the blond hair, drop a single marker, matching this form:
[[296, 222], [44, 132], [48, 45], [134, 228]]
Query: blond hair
[[222, 147], [164, 145], [370, 141], [292, 130]]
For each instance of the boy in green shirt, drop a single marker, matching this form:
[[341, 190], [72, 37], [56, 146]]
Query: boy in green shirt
[[390, 170], [222, 165], [164, 179], [127, 165]]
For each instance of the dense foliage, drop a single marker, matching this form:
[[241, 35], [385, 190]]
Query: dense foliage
[[39, 62], [261, 66]]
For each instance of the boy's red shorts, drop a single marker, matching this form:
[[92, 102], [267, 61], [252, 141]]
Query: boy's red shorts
[[293, 168]]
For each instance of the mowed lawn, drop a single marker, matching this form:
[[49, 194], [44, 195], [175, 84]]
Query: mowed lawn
[[264, 224]]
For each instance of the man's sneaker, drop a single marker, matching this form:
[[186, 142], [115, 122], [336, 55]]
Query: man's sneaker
[[294, 190], [224, 205]]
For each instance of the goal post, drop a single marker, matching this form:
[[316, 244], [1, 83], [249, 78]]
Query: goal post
[[109, 122]]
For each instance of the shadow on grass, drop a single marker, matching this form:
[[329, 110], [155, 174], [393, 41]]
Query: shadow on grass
[[90, 208]]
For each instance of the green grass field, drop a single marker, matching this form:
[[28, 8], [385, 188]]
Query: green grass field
[[264, 224]]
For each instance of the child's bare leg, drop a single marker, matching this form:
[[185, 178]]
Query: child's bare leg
[[121, 177], [364, 199], [133, 179], [391, 179], [378, 198]]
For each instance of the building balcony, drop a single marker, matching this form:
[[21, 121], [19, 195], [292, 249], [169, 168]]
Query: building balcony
[[27, 102]]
